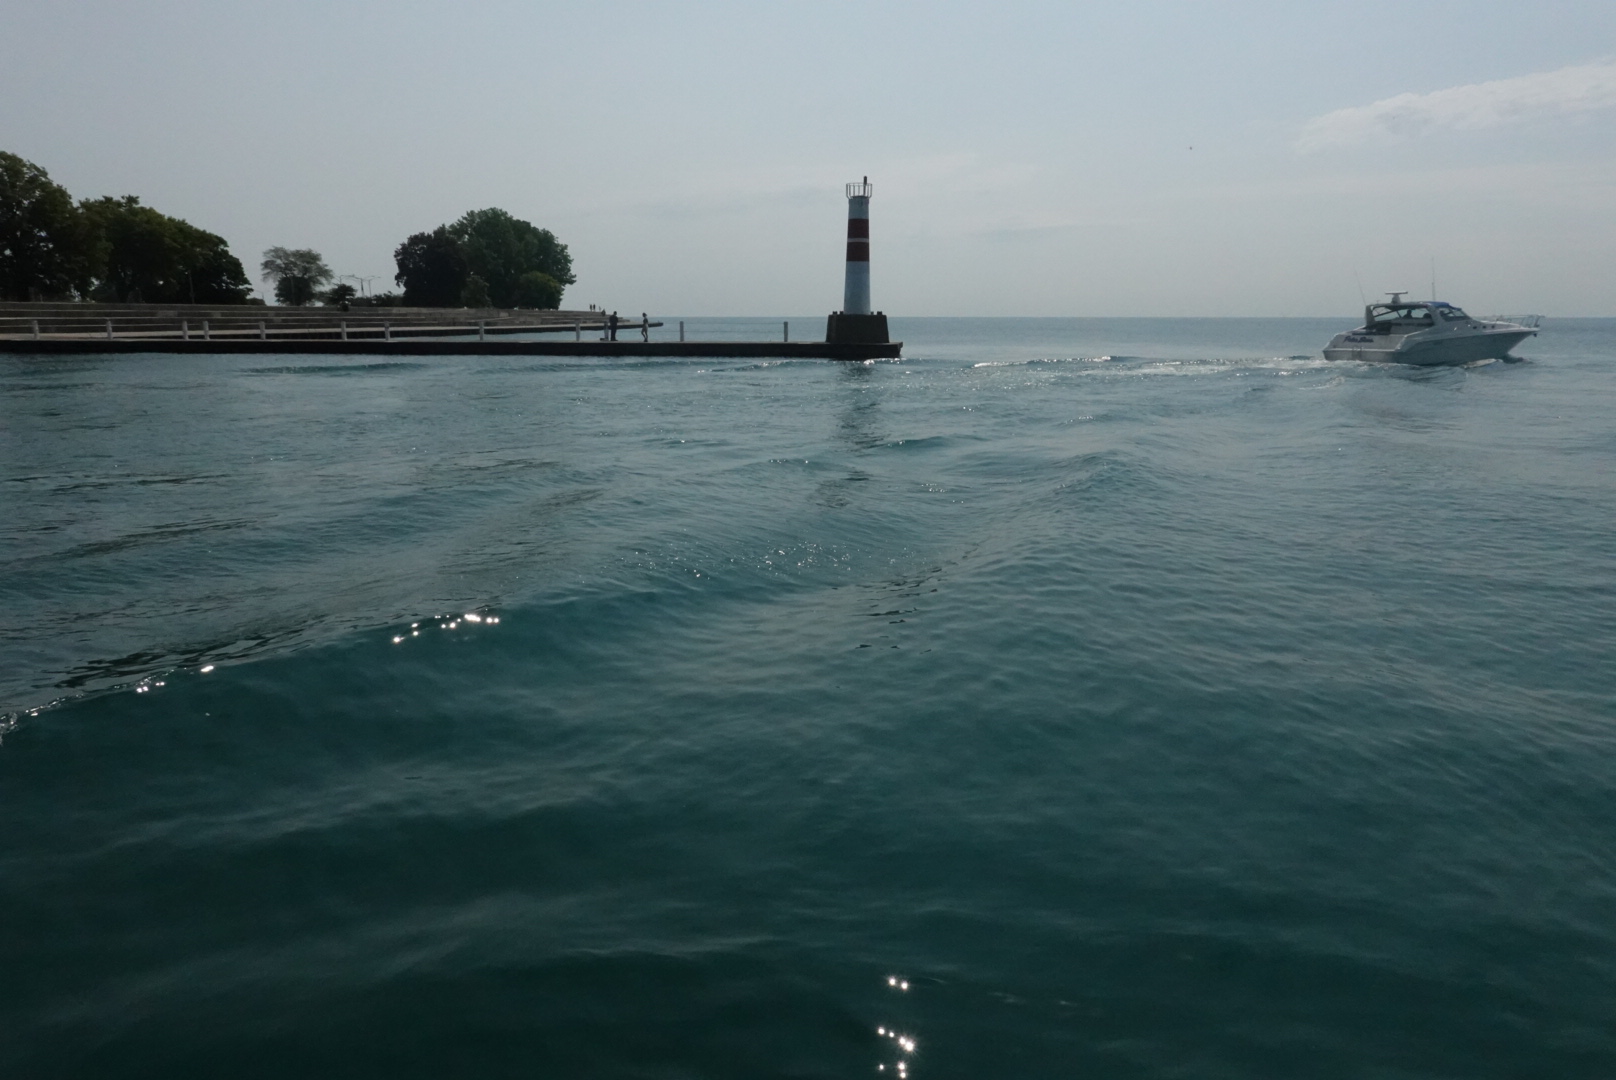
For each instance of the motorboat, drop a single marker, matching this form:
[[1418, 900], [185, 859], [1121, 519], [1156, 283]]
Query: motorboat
[[1427, 332]]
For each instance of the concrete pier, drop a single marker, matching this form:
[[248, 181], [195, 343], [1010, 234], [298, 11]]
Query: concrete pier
[[77, 329], [798, 350]]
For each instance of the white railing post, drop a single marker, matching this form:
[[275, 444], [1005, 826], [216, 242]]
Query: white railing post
[[207, 334], [36, 329], [261, 335], [482, 329], [577, 330], [185, 329], [109, 329], [387, 331], [344, 331]]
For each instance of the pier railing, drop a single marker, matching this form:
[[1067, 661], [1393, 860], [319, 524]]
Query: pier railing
[[236, 322]]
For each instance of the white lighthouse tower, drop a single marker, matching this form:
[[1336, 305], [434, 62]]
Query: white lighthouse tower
[[855, 322], [856, 294]]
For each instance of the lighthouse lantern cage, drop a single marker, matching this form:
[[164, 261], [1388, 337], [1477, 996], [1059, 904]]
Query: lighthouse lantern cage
[[860, 189]]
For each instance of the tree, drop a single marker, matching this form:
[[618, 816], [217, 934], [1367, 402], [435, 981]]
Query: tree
[[432, 268], [217, 276], [500, 248], [437, 268], [42, 241], [134, 252], [475, 294], [536, 289], [339, 294], [106, 249], [137, 254], [297, 273]]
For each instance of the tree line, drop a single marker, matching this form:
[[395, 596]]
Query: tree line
[[486, 258], [110, 249], [115, 249]]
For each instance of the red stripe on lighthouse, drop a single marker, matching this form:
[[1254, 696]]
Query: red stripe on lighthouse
[[858, 251], [858, 228]]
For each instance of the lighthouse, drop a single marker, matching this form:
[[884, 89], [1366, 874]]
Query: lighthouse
[[856, 293], [855, 322]]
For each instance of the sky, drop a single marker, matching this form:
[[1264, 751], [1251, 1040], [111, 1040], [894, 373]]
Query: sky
[[1083, 159]]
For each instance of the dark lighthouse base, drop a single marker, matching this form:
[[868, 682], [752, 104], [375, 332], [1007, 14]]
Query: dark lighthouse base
[[845, 329]]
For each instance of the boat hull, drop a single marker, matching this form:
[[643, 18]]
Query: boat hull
[[1445, 351]]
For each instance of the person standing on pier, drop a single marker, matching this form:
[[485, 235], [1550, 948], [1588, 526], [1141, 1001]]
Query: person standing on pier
[[611, 327], [645, 327]]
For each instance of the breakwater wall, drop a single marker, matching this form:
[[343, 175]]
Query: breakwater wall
[[47, 329], [801, 350]]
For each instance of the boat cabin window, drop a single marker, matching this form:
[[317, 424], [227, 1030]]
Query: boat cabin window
[[1453, 314]]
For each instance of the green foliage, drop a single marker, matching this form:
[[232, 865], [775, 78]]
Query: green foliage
[[386, 299], [339, 294], [217, 277], [42, 239], [432, 268], [475, 294], [297, 273], [536, 289], [500, 249], [105, 249], [437, 268], [137, 254]]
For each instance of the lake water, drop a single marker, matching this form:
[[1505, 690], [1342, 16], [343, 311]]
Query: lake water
[[1103, 698]]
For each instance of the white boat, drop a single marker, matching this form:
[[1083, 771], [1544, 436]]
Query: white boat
[[1427, 332]]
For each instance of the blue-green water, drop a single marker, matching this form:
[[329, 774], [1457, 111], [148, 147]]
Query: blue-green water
[[1150, 697]]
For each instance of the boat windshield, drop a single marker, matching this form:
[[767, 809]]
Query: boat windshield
[[1387, 314], [1453, 314]]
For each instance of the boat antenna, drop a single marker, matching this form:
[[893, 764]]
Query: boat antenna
[[1364, 299], [1433, 278]]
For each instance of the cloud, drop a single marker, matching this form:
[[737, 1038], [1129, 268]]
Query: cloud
[[1467, 108]]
